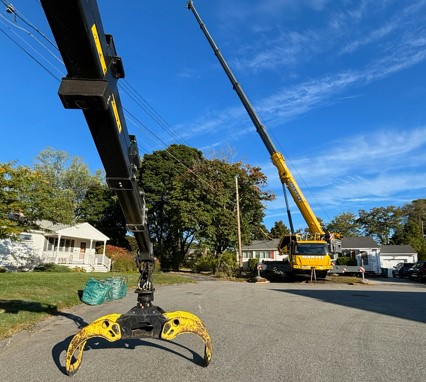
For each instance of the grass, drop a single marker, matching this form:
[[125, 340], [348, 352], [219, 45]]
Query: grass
[[27, 298]]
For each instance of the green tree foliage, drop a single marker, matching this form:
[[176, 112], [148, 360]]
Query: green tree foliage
[[101, 209], [69, 175], [191, 198], [279, 230], [345, 224], [260, 233], [158, 176], [27, 195], [413, 230], [10, 203], [207, 195], [381, 222], [416, 212]]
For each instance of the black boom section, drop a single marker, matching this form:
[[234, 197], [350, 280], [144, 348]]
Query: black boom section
[[93, 69]]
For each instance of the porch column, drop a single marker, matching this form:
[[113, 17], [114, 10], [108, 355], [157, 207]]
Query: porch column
[[103, 253], [57, 248]]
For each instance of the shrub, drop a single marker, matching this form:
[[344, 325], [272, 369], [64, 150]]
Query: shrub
[[78, 269], [346, 260], [227, 263], [205, 263], [51, 267], [111, 251], [252, 263], [124, 263]]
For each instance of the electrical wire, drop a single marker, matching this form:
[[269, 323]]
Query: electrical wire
[[30, 55], [11, 9], [125, 85]]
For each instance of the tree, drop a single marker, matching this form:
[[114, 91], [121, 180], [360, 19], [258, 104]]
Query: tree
[[101, 209], [346, 224], [69, 175], [380, 222], [260, 233], [416, 213], [208, 189], [27, 196], [279, 230], [158, 174], [10, 203], [192, 199], [412, 232]]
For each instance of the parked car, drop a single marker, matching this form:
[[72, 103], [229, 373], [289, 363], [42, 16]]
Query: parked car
[[401, 270], [418, 271]]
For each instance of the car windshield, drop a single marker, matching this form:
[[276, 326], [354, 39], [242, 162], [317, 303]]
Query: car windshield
[[312, 249]]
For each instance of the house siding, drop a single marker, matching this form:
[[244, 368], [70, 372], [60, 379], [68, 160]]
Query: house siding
[[263, 250], [54, 247]]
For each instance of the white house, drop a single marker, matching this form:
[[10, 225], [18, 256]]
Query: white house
[[263, 250], [69, 245], [390, 255], [378, 259]]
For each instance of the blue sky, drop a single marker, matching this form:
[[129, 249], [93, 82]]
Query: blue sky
[[339, 85]]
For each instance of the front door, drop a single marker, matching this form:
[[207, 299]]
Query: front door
[[82, 250]]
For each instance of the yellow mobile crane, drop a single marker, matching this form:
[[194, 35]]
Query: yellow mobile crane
[[305, 255], [93, 70]]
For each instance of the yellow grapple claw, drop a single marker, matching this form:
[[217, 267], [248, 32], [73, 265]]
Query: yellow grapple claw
[[105, 327], [180, 322], [139, 322]]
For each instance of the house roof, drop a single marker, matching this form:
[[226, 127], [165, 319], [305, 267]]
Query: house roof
[[47, 225], [397, 249], [358, 242], [80, 231], [262, 245]]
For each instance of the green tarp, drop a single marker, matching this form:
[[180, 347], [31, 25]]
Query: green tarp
[[97, 292]]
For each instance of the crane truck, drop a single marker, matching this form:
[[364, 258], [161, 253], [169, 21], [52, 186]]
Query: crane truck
[[93, 69], [305, 254]]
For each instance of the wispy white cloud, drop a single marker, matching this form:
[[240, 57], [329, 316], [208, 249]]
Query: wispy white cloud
[[386, 167]]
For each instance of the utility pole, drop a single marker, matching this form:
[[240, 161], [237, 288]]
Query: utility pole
[[240, 253]]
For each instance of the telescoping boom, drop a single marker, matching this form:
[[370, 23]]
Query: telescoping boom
[[304, 255], [93, 69]]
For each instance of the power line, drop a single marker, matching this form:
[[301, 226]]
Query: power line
[[30, 55], [12, 10], [148, 108], [125, 85]]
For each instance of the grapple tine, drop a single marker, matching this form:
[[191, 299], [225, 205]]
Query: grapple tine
[[105, 327], [180, 322]]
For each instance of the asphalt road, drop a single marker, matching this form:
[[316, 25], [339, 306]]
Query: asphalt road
[[260, 332]]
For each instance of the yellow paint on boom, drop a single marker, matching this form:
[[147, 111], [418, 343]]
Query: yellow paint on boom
[[99, 48], [116, 115]]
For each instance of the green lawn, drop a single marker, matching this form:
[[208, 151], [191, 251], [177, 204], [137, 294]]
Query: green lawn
[[27, 298]]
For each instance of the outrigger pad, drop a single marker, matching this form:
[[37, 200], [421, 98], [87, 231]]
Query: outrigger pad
[[139, 322]]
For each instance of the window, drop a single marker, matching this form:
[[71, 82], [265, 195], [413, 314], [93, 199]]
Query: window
[[69, 245], [25, 237], [246, 255], [263, 255], [51, 243], [312, 249]]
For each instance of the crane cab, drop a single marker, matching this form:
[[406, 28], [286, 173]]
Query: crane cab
[[303, 255]]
